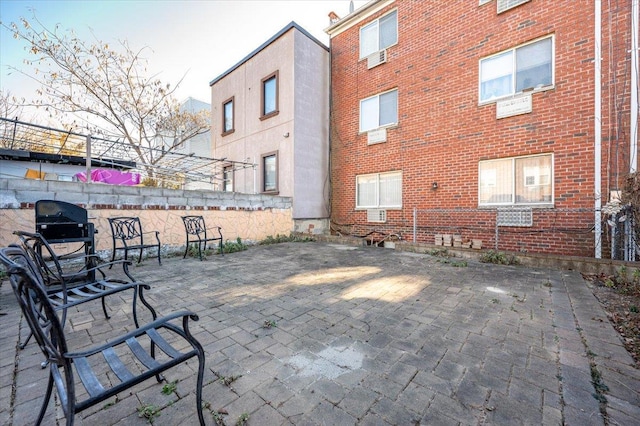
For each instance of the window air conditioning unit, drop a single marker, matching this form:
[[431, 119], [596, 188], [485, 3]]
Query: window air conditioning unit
[[504, 5], [376, 59], [377, 215]]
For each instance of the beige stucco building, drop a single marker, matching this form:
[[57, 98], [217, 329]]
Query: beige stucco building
[[271, 109]]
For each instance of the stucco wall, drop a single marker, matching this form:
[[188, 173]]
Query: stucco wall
[[298, 133], [250, 217], [311, 155]]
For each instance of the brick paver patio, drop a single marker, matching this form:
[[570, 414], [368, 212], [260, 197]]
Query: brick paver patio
[[327, 334]]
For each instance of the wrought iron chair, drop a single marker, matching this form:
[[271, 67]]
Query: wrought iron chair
[[104, 370], [197, 233], [83, 282], [127, 235]]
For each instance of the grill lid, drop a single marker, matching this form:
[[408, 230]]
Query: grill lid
[[52, 211]]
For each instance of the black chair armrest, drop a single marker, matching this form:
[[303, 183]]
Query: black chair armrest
[[160, 322]]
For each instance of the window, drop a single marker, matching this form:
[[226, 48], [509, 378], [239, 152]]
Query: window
[[379, 34], [380, 110], [527, 67], [227, 117], [227, 179], [270, 172], [379, 190], [269, 96], [518, 180]]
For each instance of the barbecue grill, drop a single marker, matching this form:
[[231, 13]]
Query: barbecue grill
[[62, 222]]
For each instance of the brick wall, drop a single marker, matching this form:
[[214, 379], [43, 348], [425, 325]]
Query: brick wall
[[443, 132]]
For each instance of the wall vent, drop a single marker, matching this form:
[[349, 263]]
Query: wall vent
[[376, 215], [515, 216], [376, 59], [504, 5]]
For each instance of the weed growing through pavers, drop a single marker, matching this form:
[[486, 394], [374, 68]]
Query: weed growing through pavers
[[454, 263], [169, 388], [193, 251], [226, 380], [243, 419], [439, 252], [291, 238], [499, 258], [111, 403], [233, 247], [269, 324], [518, 298], [149, 412]]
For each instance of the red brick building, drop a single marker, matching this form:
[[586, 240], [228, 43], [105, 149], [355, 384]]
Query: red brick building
[[486, 119]]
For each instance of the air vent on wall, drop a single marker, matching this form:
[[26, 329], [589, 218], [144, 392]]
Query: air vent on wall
[[515, 216], [376, 215], [376, 59]]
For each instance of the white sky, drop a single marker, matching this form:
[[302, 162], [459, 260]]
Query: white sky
[[199, 38]]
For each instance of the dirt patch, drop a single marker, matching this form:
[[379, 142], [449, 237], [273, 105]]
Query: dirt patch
[[620, 298]]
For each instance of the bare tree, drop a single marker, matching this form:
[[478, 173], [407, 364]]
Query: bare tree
[[108, 91]]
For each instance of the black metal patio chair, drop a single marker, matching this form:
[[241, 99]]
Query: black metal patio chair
[[78, 280], [87, 377], [127, 235], [196, 230]]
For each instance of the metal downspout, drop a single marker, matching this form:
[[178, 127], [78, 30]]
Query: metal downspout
[[633, 131], [598, 129]]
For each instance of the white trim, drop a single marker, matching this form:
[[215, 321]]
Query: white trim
[[364, 12]]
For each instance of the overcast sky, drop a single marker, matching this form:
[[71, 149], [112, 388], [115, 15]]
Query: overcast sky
[[199, 38]]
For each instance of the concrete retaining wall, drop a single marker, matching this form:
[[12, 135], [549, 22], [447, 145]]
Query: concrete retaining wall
[[250, 217]]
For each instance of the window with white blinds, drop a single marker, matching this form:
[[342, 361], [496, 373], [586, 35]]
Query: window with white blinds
[[379, 190], [379, 110], [379, 34], [526, 67], [516, 180]]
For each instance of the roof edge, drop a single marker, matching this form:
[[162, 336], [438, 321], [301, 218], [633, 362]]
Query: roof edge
[[289, 26], [356, 16]]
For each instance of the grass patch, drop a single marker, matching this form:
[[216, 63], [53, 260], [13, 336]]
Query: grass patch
[[499, 258], [149, 412], [234, 246], [291, 238]]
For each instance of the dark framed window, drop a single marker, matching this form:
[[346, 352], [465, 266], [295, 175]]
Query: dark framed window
[[269, 96], [270, 172], [227, 179], [228, 125]]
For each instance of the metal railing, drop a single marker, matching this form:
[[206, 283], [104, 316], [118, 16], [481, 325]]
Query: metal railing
[[176, 169]]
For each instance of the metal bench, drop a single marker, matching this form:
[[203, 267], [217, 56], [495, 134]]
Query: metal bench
[[80, 279], [197, 233], [105, 370], [127, 235]]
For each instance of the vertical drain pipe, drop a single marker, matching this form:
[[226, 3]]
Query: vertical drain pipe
[[598, 129], [633, 131], [633, 124]]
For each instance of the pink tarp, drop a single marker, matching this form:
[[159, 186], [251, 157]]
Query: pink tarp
[[113, 177]]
